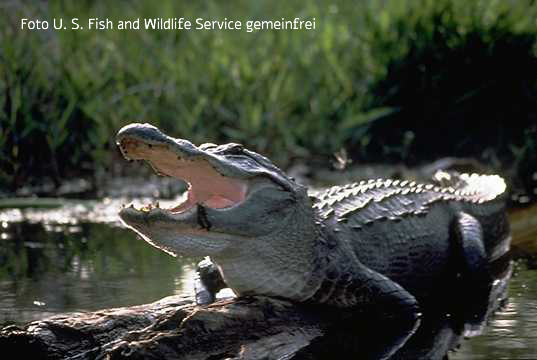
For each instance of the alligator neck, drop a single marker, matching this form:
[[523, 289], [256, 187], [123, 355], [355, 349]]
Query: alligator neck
[[283, 264]]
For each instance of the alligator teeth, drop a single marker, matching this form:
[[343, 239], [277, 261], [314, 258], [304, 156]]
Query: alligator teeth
[[150, 207]]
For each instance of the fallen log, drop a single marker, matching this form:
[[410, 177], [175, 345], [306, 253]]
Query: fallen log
[[175, 328]]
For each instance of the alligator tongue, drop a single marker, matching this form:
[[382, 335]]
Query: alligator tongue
[[196, 197]]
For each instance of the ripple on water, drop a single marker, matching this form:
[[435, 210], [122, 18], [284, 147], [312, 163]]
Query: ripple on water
[[45, 270], [512, 333]]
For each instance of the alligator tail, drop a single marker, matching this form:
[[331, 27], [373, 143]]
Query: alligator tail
[[479, 188], [482, 187]]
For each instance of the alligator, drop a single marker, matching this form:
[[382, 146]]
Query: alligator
[[377, 244]]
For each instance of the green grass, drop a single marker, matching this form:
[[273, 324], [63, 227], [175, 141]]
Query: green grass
[[286, 94]]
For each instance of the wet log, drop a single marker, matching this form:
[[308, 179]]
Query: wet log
[[174, 328]]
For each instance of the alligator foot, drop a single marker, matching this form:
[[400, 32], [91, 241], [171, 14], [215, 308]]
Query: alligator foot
[[208, 282]]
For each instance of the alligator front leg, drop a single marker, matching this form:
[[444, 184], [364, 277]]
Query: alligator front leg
[[376, 292], [363, 293], [351, 284], [208, 282]]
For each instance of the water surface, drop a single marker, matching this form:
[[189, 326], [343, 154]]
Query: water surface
[[46, 270], [51, 269], [512, 332]]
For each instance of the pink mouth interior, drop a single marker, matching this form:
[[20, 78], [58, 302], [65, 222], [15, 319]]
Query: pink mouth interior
[[206, 185]]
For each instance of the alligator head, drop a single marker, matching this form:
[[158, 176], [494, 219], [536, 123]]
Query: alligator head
[[240, 209]]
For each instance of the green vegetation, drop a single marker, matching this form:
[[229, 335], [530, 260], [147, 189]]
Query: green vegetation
[[385, 80]]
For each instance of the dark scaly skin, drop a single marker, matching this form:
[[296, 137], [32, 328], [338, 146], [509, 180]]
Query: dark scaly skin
[[379, 244], [409, 232]]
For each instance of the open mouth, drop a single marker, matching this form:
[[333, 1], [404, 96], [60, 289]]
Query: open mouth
[[206, 185]]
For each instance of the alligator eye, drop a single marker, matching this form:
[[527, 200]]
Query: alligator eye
[[235, 149], [207, 146]]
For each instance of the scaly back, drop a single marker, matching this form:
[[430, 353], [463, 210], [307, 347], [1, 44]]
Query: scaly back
[[357, 204]]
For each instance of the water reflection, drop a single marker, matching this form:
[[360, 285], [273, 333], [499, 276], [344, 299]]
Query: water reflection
[[512, 333], [82, 267]]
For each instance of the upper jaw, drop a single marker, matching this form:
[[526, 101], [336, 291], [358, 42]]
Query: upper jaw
[[178, 158], [133, 135], [139, 141]]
